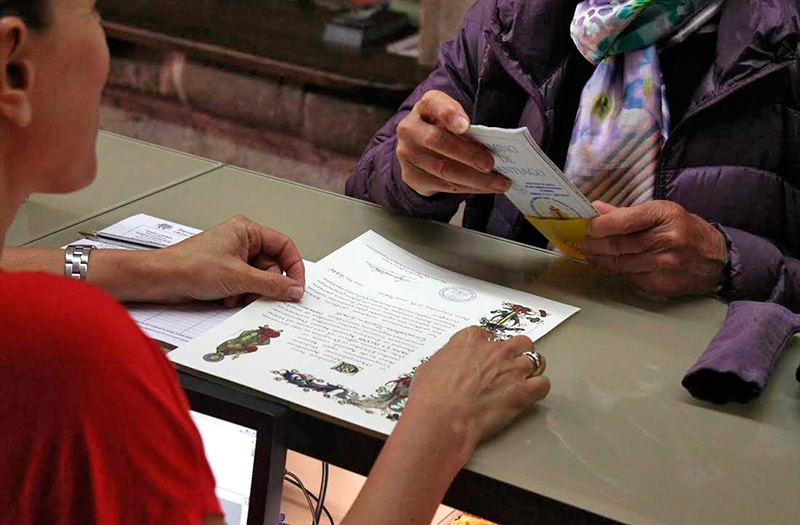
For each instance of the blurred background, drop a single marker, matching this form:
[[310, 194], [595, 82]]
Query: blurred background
[[289, 87]]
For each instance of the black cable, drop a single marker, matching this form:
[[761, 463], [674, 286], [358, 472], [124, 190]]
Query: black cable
[[306, 493], [323, 488], [324, 508]]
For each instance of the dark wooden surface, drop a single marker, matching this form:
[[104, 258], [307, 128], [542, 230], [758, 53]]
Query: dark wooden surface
[[275, 37]]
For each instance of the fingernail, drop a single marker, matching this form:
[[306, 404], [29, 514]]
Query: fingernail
[[296, 293], [460, 125], [502, 185], [486, 166]]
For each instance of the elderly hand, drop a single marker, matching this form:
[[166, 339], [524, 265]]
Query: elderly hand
[[435, 158], [238, 259], [663, 249], [476, 386]]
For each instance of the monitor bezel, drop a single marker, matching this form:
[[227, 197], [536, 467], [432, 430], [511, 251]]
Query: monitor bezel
[[253, 419]]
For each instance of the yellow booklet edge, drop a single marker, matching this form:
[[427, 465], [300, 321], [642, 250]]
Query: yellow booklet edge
[[566, 234]]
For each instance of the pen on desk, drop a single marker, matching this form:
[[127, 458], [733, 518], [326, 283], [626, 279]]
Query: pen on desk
[[100, 236]]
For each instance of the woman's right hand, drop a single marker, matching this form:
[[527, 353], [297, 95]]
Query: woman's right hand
[[435, 157], [476, 387], [469, 390]]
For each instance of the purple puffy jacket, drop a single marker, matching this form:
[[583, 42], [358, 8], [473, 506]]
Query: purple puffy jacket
[[734, 158]]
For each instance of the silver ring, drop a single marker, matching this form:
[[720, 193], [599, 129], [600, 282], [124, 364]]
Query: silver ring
[[539, 363]]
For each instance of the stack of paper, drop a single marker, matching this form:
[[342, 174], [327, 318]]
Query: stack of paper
[[170, 325], [539, 189]]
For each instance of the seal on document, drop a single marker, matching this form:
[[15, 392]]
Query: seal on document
[[457, 294], [549, 208]]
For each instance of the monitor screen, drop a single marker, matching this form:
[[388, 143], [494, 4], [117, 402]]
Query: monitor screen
[[230, 450]]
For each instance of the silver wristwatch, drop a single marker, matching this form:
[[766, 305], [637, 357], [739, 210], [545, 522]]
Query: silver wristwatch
[[76, 261]]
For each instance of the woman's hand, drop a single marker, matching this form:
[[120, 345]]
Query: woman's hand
[[664, 250], [476, 387], [471, 389], [435, 158], [235, 260]]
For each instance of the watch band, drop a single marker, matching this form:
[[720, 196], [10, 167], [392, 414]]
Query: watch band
[[76, 261]]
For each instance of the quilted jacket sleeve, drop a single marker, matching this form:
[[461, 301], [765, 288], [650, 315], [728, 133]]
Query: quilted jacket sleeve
[[377, 175], [760, 271]]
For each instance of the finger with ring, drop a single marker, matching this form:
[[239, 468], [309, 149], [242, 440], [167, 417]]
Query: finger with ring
[[538, 361]]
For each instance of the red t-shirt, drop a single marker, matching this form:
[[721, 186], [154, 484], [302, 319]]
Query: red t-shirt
[[94, 427]]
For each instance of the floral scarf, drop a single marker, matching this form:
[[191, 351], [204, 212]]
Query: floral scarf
[[623, 119]]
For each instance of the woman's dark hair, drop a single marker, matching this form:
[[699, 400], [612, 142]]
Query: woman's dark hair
[[32, 12]]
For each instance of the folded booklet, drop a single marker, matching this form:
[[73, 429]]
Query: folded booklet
[[539, 189]]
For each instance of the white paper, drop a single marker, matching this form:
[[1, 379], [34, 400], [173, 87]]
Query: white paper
[[372, 313], [177, 325], [539, 188], [170, 325], [146, 228]]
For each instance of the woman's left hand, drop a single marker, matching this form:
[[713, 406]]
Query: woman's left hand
[[664, 250], [239, 259]]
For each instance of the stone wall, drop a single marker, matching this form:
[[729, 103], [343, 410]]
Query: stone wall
[[253, 100], [171, 125], [254, 121], [251, 121]]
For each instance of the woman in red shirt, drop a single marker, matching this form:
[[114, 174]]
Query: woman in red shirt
[[95, 428]]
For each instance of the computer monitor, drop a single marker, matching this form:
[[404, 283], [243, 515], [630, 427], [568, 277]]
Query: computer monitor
[[239, 436], [231, 451]]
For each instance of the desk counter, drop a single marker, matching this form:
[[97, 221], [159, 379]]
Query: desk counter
[[618, 436], [127, 170]]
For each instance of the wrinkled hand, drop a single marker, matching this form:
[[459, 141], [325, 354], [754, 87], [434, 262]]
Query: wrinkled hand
[[236, 260], [435, 158], [477, 385], [663, 249]]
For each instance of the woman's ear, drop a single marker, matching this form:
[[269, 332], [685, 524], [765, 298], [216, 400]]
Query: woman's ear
[[16, 72]]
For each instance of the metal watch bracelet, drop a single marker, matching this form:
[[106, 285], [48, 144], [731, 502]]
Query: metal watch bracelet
[[76, 261]]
